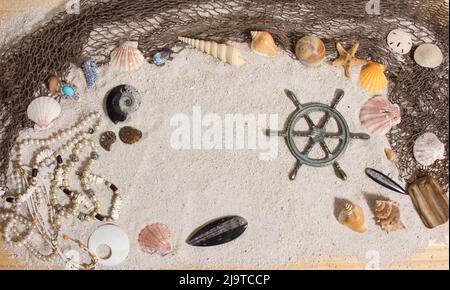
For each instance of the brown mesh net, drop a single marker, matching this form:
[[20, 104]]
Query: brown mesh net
[[102, 25]]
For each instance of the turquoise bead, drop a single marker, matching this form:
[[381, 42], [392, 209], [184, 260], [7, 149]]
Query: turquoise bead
[[68, 91]]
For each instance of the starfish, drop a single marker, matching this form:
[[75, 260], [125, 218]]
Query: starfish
[[347, 59]]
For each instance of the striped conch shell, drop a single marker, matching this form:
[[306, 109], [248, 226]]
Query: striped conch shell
[[352, 216], [387, 215], [226, 53]]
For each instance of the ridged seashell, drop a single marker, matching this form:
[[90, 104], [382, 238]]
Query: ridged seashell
[[352, 216], [107, 139], [54, 84], [121, 101], [390, 154], [372, 77], [218, 232], [226, 53], [428, 55], [310, 50], [263, 43], [428, 148], [90, 72], [130, 135], [379, 115], [387, 215], [155, 238], [43, 111], [127, 57], [399, 41]]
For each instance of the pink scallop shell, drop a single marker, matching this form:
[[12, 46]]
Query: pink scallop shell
[[379, 115], [155, 238]]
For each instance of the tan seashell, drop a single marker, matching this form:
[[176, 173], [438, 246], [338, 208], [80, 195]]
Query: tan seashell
[[428, 55], [428, 148], [310, 50], [263, 43], [226, 53], [155, 238], [379, 115], [390, 154], [352, 216], [127, 57], [54, 84], [387, 215], [372, 77]]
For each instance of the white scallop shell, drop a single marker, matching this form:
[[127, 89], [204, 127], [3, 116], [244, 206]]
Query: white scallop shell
[[428, 148], [127, 57], [379, 115], [428, 55], [43, 111], [399, 41], [113, 237]]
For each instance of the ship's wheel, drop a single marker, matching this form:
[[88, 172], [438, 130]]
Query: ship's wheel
[[317, 134]]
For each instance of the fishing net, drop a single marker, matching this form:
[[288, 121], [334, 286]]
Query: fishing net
[[99, 26]]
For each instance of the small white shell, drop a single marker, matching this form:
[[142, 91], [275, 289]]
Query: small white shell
[[428, 149], [399, 41], [127, 57], [43, 111], [428, 55], [113, 237]]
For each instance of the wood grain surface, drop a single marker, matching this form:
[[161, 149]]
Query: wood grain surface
[[436, 256]]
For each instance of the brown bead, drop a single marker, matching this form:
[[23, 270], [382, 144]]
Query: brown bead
[[34, 172], [113, 187], [10, 199], [59, 159], [99, 217]]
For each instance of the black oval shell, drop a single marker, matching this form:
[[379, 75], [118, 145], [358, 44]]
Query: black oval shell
[[218, 232], [121, 101]]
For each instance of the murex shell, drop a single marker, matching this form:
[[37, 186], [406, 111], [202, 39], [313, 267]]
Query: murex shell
[[379, 115], [43, 111], [372, 77], [121, 101], [399, 41], [428, 148], [225, 53], [387, 215], [353, 217], [263, 43], [130, 135], [310, 50], [156, 238], [127, 57], [428, 55], [218, 232], [107, 139]]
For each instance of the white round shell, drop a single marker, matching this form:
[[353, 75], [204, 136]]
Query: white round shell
[[43, 111], [399, 41], [113, 237], [428, 55], [428, 148]]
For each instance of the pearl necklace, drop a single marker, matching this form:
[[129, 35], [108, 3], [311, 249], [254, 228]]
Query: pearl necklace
[[28, 191]]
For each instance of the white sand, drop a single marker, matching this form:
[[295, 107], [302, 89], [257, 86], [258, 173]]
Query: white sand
[[289, 222]]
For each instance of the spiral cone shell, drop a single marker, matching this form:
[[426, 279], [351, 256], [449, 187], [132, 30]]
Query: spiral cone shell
[[226, 53]]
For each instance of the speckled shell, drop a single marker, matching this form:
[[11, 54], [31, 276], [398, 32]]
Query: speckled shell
[[310, 50], [352, 216], [372, 78], [107, 139], [156, 238], [387, 215], [263, 43], [127, 57], [223, 52], [379, 115], [428, 55], [428, 148], [130, 135], [43, 111]]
